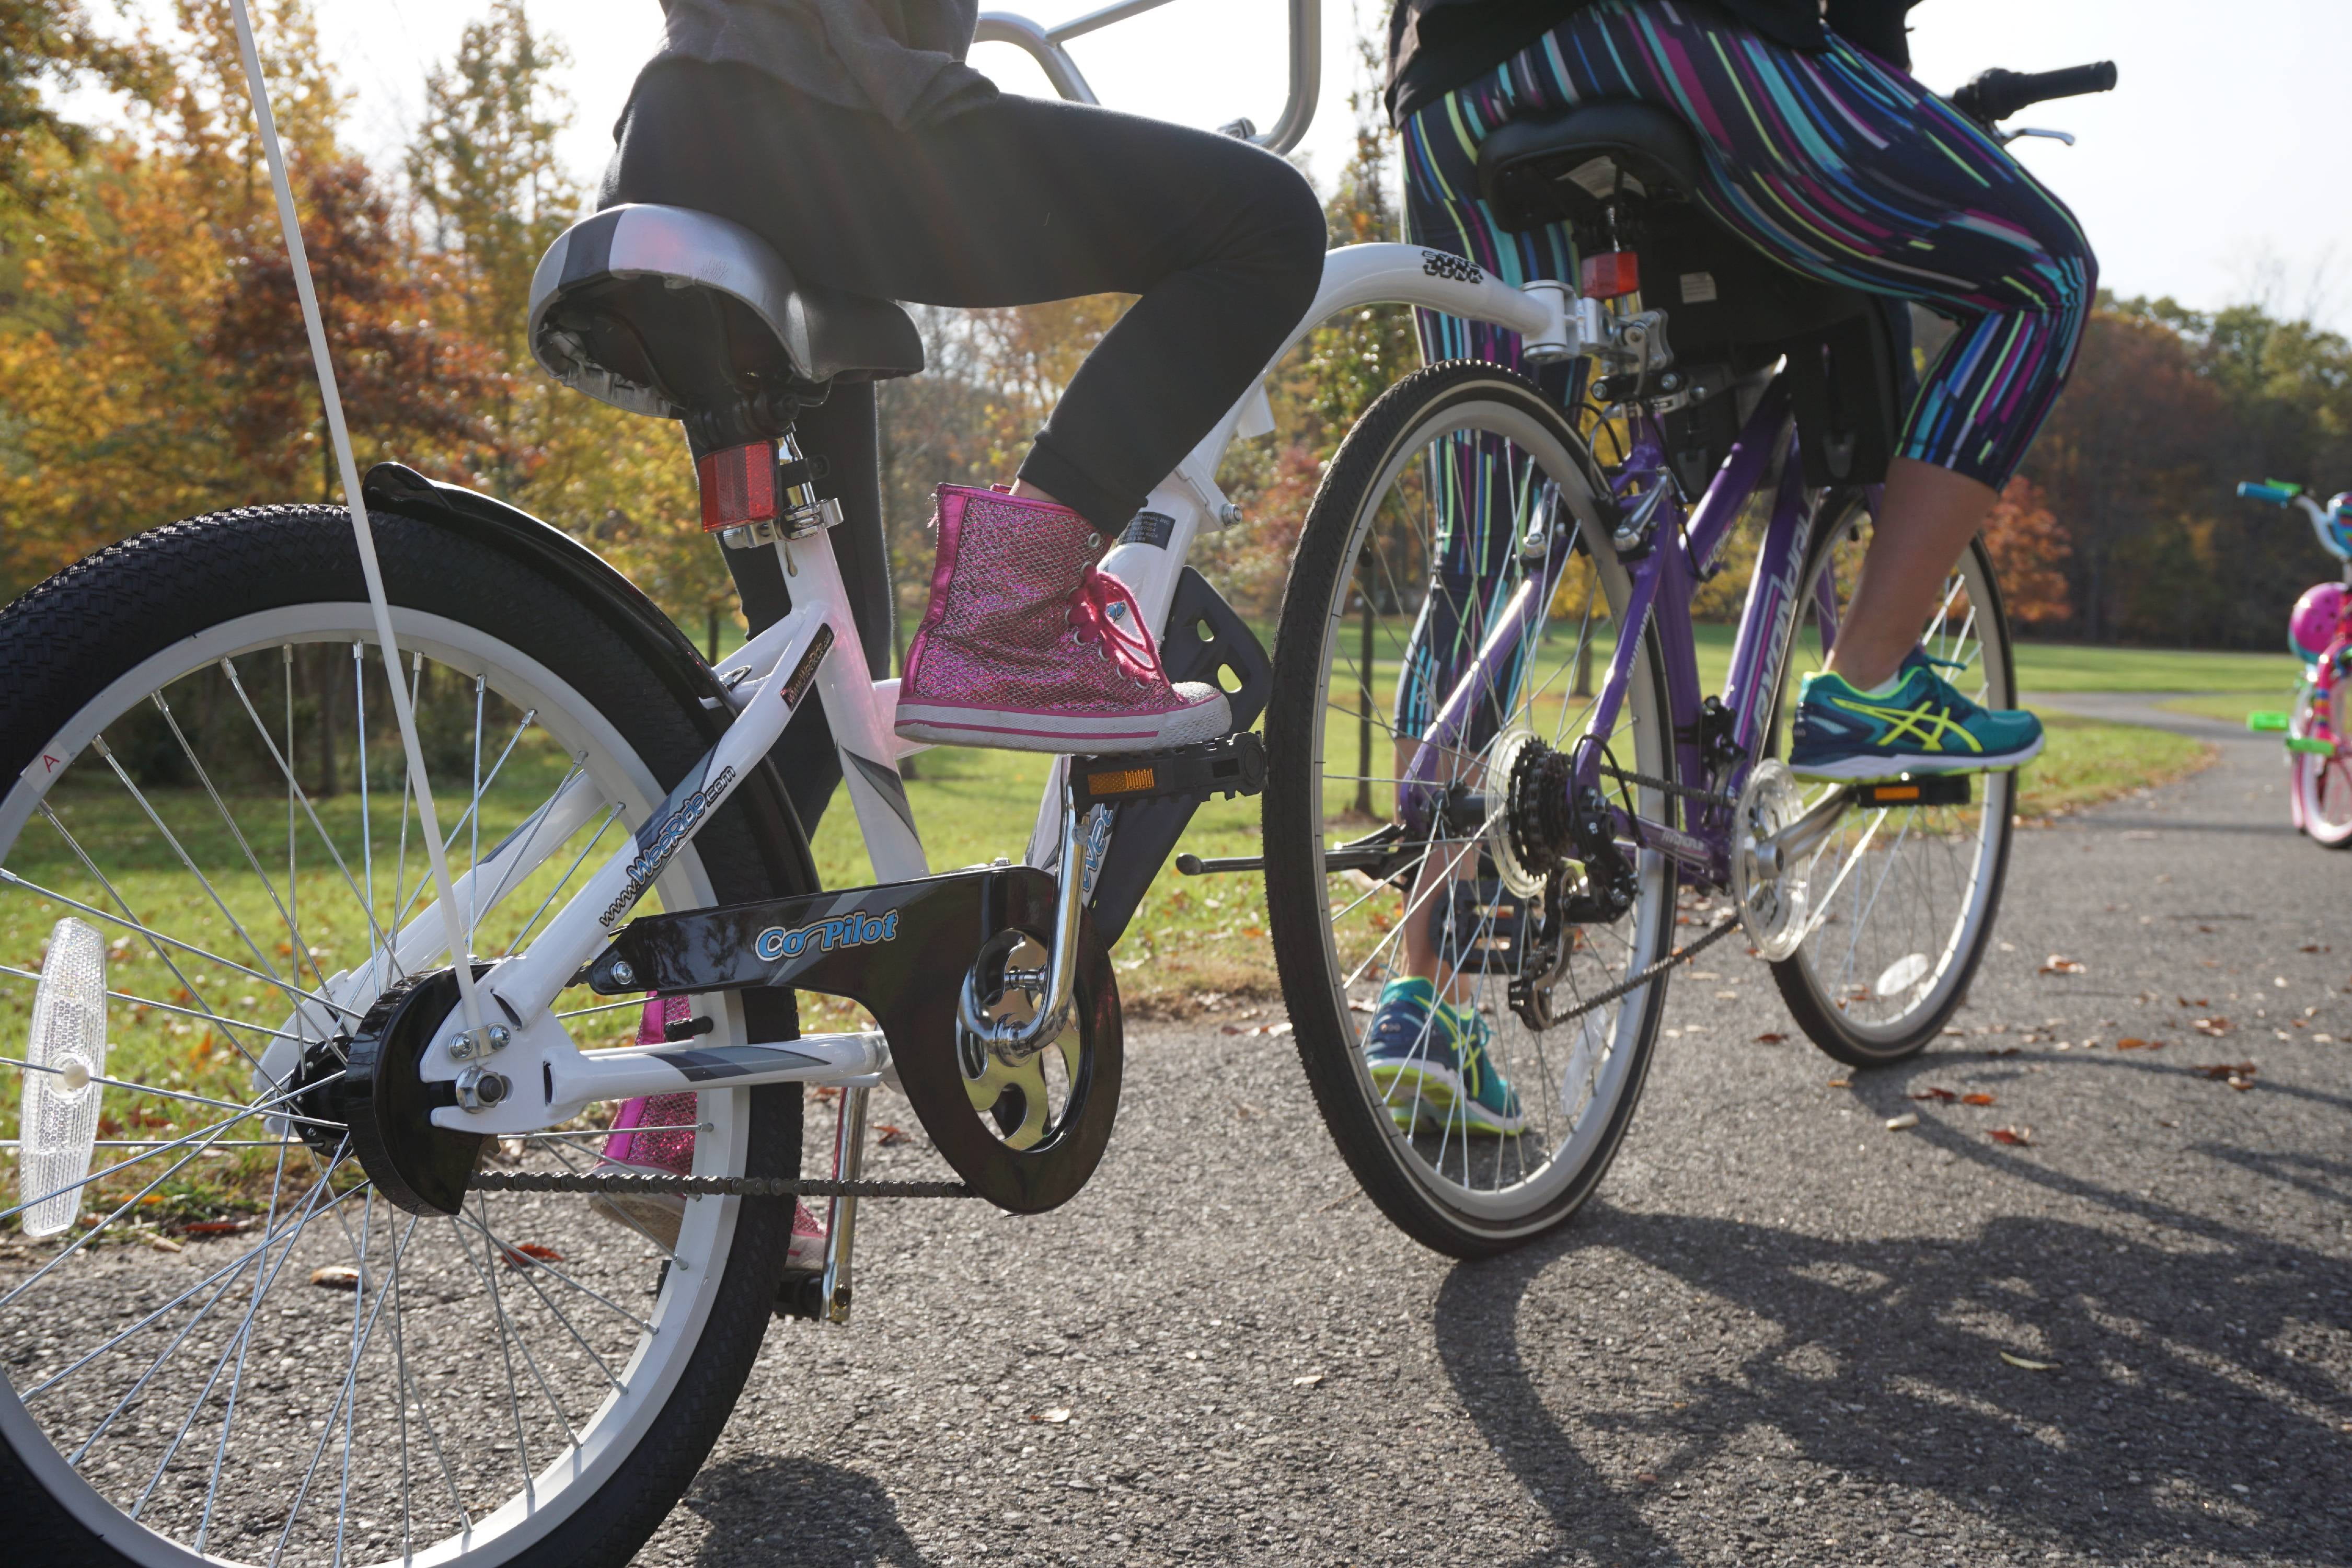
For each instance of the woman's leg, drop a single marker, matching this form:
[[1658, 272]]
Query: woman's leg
[[1844, 167], [1015, 201]]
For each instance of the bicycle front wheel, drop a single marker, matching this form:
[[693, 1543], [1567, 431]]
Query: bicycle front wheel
[[1902, 896], [1435, 511], [2322, 784], [223, 1343]]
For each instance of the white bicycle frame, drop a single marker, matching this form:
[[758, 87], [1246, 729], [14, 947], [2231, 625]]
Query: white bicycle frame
[[508, 1026], [814, 652]]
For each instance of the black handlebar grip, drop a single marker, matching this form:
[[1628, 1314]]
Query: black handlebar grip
[[1996, 94]]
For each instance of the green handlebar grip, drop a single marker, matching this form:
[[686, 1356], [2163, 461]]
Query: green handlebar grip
[[2266, 721], [2309, 746]]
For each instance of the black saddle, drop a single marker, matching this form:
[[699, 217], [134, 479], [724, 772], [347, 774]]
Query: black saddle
[[686, 315]]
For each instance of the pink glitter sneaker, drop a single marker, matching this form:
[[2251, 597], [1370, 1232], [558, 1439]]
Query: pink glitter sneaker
[[1027, 648], [643, 1138]]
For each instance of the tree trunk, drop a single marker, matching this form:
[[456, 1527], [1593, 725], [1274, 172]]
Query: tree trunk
[[711, 633]]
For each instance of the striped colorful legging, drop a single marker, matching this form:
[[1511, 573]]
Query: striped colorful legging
[[1835, 163]]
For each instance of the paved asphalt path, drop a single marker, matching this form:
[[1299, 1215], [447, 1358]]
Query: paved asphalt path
[[1776, 1337]]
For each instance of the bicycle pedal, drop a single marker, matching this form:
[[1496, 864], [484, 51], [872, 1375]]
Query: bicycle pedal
[[1929, 789], [1233, 765], [1482, 930], [800, 1293]]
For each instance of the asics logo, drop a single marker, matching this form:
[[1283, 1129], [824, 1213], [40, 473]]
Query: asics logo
[[1930, 726]]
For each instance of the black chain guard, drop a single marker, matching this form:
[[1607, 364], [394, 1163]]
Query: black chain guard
[[901, 950]]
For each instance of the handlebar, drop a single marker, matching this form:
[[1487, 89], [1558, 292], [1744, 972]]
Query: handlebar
[[1044, 45], [1995, 95], [2333, 529]]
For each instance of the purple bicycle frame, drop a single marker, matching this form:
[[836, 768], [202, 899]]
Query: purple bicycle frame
[[1681, 549]]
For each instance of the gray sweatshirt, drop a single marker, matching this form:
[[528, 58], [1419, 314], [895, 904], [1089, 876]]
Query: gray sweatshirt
[[902, 59]]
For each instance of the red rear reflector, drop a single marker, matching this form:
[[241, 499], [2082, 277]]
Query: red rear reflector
[[739, 485], [1611, 274]]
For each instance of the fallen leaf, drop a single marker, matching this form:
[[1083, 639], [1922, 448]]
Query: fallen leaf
[[2223, 1070], [1978, 1099], [2134, 1043], [2058, 963], [522, 1252], [2004, 1050], [1309, 1381], [1841, 1083], [1909, 1119], [1229, 1028], [1770, 1037], [215, 1227], [890, 1135], [825, 1093], [2311, 947], [336, 1277], [1940, 1096], [2200, 1002], [1647, 1478], [2216, 1027], [2016, 1137], [2029, 1365], [1053, 1417], [165, 1244]]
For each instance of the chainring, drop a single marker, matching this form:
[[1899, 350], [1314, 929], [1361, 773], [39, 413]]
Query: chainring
[[1771, 902]]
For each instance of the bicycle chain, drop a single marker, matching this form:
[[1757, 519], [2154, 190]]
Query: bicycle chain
[[1652, 971], [704, 1186], [1710, 796]]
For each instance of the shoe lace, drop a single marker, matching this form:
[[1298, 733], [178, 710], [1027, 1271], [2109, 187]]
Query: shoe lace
[[1103, 612]]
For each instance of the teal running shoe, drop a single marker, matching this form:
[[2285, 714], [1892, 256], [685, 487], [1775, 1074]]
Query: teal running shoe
[[1923, 726], [1430, 1062]]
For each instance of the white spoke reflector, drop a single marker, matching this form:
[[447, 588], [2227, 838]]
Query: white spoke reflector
[[60, 1112]]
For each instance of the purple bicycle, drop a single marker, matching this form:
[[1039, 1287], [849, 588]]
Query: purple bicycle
[[1452, 796]]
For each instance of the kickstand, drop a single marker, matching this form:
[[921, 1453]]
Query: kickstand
[[841, 1227]]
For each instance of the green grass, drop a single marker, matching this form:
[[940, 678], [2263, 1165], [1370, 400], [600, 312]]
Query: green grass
[[2072, 667], [2088, 761]]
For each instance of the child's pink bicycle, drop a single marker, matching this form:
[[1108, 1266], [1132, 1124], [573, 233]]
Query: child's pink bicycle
[[2318, 754]]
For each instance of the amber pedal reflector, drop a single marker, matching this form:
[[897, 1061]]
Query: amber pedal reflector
[[1880, 794], [1127, 781]]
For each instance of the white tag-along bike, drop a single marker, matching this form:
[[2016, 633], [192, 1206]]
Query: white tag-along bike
[[388, 1326]]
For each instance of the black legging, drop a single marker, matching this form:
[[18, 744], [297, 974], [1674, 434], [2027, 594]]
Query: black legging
[[1015, 201], [1018, 201]]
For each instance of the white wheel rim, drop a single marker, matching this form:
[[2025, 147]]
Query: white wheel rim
[[600, 1432]]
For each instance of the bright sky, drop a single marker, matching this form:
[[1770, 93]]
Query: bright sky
[[2215, 173]]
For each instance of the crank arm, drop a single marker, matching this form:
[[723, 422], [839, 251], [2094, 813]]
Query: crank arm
[[1801, 837]]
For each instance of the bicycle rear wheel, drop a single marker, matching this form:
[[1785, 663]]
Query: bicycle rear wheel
[[1902, 898], [1374, 635], [242, 1351], [2323, 782]]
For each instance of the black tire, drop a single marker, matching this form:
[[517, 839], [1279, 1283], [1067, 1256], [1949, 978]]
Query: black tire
[[1811, 997], [64, 642], [1447, 1217]]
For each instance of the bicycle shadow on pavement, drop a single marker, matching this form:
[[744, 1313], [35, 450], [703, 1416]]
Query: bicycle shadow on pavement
[[779, 1510], [2173, 1398]]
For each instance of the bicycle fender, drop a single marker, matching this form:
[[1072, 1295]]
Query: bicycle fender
[[589, 577]]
